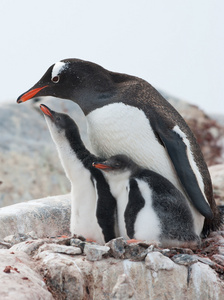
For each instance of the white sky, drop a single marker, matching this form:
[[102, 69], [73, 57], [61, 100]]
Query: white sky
[[178, 46]]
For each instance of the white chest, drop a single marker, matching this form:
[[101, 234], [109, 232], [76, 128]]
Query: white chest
[[147, 224], [121, 129]]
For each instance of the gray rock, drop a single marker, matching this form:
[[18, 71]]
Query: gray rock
[[29, 247], [5, 245], [95, 252], [135, 252], [61, 249], [156, 261], [219, 259], [185, 259], [47, 217], [78, 243], [117, 247], [205, 260], [62, 275], [80, 278]]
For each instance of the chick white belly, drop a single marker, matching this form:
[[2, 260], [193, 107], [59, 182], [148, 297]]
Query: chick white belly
[[121, 129], [83, 210], [147, 225]]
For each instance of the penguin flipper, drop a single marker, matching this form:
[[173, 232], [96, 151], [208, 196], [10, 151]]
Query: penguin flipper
[[177, 151]]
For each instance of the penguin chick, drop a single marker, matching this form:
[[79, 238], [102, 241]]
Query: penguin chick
[[92, 205], [152, 208]]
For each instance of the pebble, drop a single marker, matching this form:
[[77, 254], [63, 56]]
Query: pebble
[[78, 243], [117, 247], [157, 261], [135, 252], [184, 259], [219, 259]]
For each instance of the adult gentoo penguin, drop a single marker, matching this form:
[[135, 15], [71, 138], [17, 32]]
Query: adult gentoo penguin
[[126, 115], [149, 207], [93, 207]]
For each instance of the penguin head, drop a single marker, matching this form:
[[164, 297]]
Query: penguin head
[[86, 83], [60, 125], [117, 164]]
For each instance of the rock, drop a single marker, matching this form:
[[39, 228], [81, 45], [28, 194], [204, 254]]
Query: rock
[[69, 276], [117, 247], [95, 252], [156, 261], [135, 252], [18, 280], [123, 289], [78, 243], [110, 278], [47, 217], [29, 247], [62, 275], [219, 259], [205, 260], [184, 259], [217, 175], [5, 245], [61, 249]]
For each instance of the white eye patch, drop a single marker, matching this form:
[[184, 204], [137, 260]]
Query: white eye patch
[[58, 68]]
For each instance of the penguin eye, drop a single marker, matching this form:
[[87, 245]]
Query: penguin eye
[[58, 118], [55, 79]]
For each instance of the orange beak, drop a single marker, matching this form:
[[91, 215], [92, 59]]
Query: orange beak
[[29, 94], [46, 110], [101, 166]]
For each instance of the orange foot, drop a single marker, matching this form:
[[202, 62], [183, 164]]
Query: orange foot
[[90, 240], [133, 241], [62, 236]]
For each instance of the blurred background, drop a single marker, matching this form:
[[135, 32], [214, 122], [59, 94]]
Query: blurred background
[[176, 46]]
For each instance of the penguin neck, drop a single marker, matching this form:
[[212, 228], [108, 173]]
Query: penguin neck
[[77, 146], [119, 183], [118, 88]]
